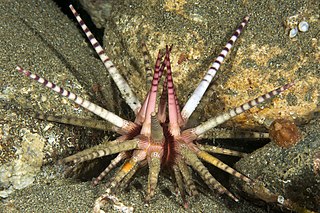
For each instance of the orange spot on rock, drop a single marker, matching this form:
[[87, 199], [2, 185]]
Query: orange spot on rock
[[284, 133], [183, 57]]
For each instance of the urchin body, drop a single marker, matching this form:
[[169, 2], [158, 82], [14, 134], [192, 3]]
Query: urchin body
[[157, 137]]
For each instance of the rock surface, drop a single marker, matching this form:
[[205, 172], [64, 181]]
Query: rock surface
[[292, 173], [263, 59], [37, 36]]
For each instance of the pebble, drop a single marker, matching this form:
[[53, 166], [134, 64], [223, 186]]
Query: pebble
[[293, 32], [303, 26]]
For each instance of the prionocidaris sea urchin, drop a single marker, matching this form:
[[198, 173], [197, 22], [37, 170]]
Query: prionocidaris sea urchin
[[157, 137]]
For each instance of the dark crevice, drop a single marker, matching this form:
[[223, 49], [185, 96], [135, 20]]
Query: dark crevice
[[64, 6]]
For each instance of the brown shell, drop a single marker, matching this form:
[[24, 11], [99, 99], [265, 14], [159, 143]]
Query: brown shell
[[284, 133]]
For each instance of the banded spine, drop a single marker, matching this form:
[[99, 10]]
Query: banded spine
[[97, 124], [103, 113], [220, 150], [197, 165], [219, 164], [154, 163], [152, 98], [227, 133], [196, 96], [147, 65], [179, 182], [121, 156], [213, 122], [121, 83], [174, 127], [101, 150], [187, 177]]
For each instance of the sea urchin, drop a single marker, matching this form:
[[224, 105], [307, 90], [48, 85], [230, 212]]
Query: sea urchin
[[156, 138]]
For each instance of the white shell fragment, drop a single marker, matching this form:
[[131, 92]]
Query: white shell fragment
[[303, 26], [293, 32]]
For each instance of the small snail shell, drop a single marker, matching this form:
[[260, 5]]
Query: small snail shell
[[303, 26], [293, 32]]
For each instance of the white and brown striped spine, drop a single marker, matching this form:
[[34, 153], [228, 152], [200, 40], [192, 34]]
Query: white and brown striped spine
[[103, 113], [213, 122], [121, 83], [100, 151], [195, 98]]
